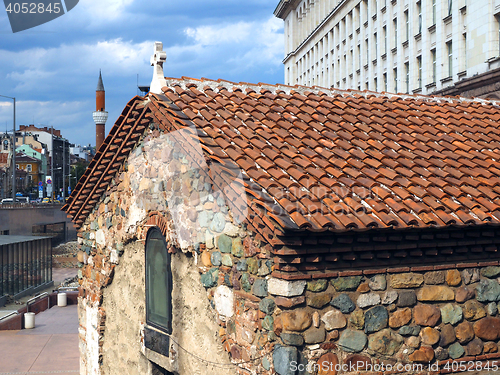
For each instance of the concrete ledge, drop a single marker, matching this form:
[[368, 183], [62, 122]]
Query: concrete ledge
[[33, 290]]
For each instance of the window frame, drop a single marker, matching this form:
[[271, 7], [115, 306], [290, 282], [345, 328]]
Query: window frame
[[157, 235]]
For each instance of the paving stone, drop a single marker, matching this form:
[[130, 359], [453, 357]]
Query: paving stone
[[328, 362], [475, 347], [488, 291], [406, 280], [378, 282], [319, 285], [348, 283], [447, 335], [434, 277], [435, 293], [267, 305], [352, 341], [334, 319], [406, 298], [314, 335], [464, 293], [367, 300], [456, 350], [292, 339], [390, 297], [344, 303], [400, 317], [426, 315], [470, 275], [473, 310], [423, 355], [451, 314], [490, 272], [286, 288], [216, 258], [296, 320], [376, 319], [492, 308], [429, 336], [409, 330], [282, 357], [488, 328], [318, 300], [453, 277], [357, 319], [260, 288], [464, 332], [385, 342]]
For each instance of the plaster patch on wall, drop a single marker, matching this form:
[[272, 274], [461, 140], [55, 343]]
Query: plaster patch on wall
[[224, 301], [92, 338]]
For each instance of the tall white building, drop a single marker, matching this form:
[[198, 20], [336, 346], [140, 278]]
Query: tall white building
[[406, 46]]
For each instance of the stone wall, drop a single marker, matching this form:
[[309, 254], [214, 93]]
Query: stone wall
[[225, 292]]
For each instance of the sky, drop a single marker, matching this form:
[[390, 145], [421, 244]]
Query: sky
[[52, 69]]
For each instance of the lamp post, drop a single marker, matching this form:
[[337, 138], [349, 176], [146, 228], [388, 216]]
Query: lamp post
[[13, 151]]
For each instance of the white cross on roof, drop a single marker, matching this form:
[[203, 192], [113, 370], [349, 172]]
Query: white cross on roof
[[157, 60]]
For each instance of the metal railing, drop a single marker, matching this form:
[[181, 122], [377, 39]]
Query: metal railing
[[8, 315], [37, 297]]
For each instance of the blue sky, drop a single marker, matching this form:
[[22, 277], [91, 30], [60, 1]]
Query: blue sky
[[52, 69]]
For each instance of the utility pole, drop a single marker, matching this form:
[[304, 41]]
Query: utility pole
[[13, 151]]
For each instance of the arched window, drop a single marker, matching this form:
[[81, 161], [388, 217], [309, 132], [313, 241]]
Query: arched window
[[158, 282]]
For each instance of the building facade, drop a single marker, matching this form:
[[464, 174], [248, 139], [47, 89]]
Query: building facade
[[412, 46]]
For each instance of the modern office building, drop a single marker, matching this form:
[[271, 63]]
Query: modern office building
[[407, 46]]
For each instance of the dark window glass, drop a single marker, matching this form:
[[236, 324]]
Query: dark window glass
[[158, 282]]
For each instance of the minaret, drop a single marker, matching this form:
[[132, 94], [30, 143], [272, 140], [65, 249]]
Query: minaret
[[100, 115]]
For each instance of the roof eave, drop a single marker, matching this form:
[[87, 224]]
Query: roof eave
[[284, 7]]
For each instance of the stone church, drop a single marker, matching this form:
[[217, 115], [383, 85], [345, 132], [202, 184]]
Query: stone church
[[232, 228]]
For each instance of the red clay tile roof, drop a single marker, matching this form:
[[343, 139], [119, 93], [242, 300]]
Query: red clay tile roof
[[322, 159]]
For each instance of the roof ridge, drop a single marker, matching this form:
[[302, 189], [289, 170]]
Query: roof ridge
[[200, 83]]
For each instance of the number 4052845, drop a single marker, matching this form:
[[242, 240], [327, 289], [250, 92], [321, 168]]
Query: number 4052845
[[33, 8]]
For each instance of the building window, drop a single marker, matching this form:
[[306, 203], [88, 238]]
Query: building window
[[375, 84], [434, 65], [450, 5], [368, 51], [395, 80], [449, 47], [419, 67], [6, 145], [407, 24], [395, 23], [419, 12], [384, 30], [385, 82], [29, 167], [158, 282], [433, 12], [407, 73]]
